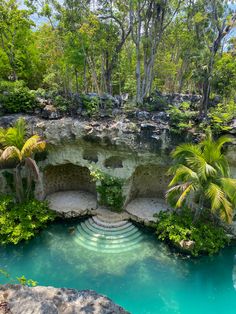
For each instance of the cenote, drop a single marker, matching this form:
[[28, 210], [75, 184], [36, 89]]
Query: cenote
[[149, 279]]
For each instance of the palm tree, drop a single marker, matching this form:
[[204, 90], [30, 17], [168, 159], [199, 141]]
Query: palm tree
[[202, 178], [18, 150]]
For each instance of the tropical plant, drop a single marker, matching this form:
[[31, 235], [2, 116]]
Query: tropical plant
[[18, 280], [21, 222], [110, 190], [206, 235], [202, 178], [19, 151]]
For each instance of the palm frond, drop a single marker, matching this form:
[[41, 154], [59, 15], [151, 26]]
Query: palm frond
[[2, 136], [173, 195], [222, 166], [226, 211], [183, 173], [223, 140], [216, 196], [184, 195], [34, 144], [10, 153], [15, 135], [229, 186], [186, 150], [199, 164]]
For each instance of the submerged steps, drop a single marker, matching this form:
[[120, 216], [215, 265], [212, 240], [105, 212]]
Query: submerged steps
[[108, 237]]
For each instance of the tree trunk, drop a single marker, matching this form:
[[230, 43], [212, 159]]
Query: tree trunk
[[206, 89], [85, 76], [18, 184], [76, 81], [138, 76]]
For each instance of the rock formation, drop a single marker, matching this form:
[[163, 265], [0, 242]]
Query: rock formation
[[18, 299]]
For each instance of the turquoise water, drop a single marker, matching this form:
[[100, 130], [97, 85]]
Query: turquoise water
[[147, 280]]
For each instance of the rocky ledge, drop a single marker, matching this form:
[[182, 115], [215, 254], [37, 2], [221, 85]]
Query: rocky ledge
[[18, 299]]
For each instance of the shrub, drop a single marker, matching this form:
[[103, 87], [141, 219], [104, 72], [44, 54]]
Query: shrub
[[155, 102], [22, 221], [207, 235], [181, 118], [110, 190], [62, 103], [91, 104], [221, 116], [16, 97]]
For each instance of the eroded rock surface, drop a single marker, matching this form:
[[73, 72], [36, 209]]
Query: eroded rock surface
[[17, 299]]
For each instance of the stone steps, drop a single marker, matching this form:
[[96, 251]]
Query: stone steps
[[108, 237]]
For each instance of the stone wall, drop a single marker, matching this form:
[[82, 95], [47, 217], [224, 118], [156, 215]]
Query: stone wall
[[136, 151], [67, 177], [148, 181]]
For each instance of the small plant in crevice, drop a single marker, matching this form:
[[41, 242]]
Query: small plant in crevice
[[110, 189], [18, 280]]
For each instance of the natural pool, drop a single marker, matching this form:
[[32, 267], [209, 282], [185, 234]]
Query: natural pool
[[147, 280]]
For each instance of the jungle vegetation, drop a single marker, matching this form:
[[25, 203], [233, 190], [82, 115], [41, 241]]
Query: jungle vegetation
[[119, 46]]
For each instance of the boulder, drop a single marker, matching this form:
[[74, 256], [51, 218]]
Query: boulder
[[18, 299], [187, 245], [50, 112]]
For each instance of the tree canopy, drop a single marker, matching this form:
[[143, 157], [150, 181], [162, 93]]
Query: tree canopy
[[134, 46]]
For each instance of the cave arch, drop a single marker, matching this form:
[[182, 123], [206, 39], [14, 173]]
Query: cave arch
[[68, 177]]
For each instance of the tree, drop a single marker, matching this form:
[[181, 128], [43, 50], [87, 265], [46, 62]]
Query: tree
[[224, 76], [149, 20], [14, 31], [213, 22], [18, 150], [118, 27], [202, 179]]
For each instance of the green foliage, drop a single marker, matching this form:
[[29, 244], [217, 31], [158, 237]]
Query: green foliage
[[16, 97], [110, 189], [26, 282], [201, 178], [20, 280], [91, 105], [22, 221], [75, 50], [181, 118], [61, 103], [208, 237], [155, 103], [18, 151], [221, 116], [224, 79]]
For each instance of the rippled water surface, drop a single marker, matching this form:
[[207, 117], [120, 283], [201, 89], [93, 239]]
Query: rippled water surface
[[149, 279]]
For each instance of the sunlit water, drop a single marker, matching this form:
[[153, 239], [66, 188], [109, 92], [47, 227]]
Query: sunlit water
[[149, 279]]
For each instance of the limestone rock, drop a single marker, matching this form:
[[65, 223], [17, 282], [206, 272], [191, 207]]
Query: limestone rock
[[51, 112], [18, 299], [187, 245]]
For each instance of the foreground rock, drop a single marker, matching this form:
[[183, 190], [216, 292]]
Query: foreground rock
[[17, 299]]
